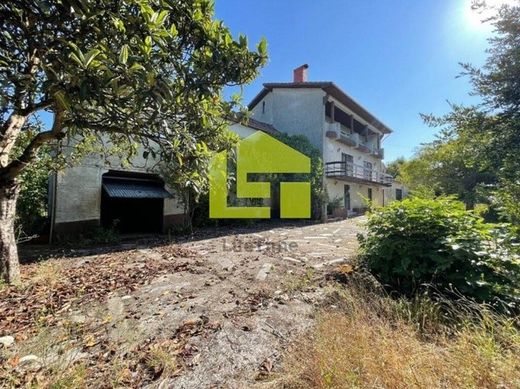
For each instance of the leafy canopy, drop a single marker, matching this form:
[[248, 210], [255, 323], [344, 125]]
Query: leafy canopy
[[435, 245], [476, 155], [131, 71]]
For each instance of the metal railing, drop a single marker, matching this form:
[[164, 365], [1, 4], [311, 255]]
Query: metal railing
[[348, 170], [344, 135]]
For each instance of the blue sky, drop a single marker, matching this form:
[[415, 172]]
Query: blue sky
[[397, 58]]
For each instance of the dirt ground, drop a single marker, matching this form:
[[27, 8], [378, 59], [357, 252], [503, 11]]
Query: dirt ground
[[223, 304]]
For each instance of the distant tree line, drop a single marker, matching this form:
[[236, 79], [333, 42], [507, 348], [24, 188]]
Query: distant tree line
[[476, 155]]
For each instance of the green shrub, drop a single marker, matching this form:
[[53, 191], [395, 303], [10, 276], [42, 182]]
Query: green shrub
[[420, 244], [94, 236], [304, 146], [31, 207], [335, 203]]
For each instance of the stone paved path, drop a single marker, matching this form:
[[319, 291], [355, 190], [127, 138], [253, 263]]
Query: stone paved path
[[256, 286], [316, 245], [267, 264]]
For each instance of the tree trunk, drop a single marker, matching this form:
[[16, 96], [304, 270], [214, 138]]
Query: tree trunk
[[9, 265], [10, 133]]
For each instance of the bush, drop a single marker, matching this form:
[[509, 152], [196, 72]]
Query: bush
[[419, 245], [95, 236], [318, 193], [334, 204], [31, 207]]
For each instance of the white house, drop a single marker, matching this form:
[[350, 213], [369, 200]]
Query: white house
[[101, 192], [349, 137]]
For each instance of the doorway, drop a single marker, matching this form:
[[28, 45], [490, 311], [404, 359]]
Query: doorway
[[348, 163], [346, 197], [133, 202]]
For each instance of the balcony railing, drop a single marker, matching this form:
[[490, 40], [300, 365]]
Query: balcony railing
[[379, 153], [351, 172], [365, 147], [343, 135]]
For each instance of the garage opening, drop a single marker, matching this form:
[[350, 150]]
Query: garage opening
[[133, 202]]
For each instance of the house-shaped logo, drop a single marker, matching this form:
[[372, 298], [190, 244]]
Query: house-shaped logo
[[260, 154]]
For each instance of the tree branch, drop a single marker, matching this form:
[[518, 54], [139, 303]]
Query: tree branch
[[11, 171], [36, 107]]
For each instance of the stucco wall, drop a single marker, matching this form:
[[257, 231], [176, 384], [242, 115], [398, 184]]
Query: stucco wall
[[241, 130], [78, 190], [302, 111], [358, 193], [295, 112], [332, 152], [392, 191]]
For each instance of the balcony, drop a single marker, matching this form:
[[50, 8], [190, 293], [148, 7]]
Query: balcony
[[341, 134], [379, 153], [364, 147], [356, 173]]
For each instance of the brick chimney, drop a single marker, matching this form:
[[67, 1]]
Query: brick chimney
[[300, 74]]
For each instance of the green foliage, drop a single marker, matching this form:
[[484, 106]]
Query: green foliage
[[31, 208], [335, 203], [94, 237], [303, 145], [101, 235], [115, 74], [447, 166], [147, 72], [394, 167], [435, 245], [476, 155]]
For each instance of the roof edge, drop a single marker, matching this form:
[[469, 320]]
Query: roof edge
[[253, 123], [333, 90]]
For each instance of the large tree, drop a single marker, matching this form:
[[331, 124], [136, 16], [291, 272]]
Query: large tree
[[477, 152], [129, 72], [447, 166]]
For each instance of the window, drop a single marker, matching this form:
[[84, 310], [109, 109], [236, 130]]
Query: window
[[370, 194], [263, 106], [367, 171], [348, 161], [399, 194]]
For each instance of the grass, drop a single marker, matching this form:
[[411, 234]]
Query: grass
[[372, 341], [161, 359], [295, 283], [47, 273]]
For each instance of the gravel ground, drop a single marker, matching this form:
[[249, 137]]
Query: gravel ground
[[234, 305]]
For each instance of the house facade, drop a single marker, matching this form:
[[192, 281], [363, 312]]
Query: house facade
[[109, 193], [133, 198], [349, 137]]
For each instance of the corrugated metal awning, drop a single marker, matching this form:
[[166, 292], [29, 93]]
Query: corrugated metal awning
[[135, 190]]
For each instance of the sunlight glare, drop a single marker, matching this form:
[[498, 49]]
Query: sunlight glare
[[475, 17]]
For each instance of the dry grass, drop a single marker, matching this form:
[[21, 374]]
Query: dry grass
[[296, 283], [367, 341], [46, 273]]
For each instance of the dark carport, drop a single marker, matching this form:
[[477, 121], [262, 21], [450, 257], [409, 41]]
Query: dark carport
[[133, 202]]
